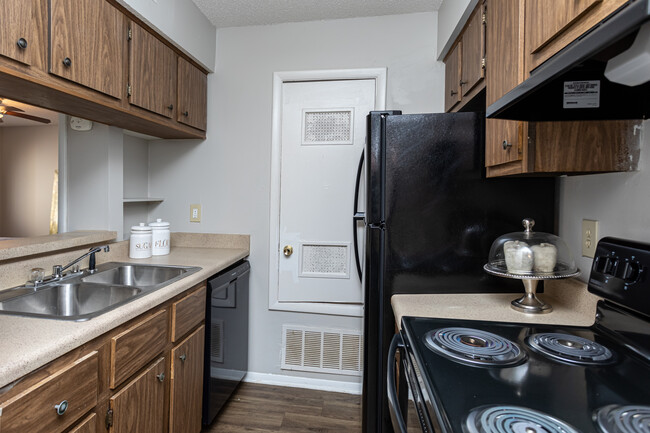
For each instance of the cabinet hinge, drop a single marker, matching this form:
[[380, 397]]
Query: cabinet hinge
[[109, 418], [483, 63], [483, 19], [130, 34], [128, 90]]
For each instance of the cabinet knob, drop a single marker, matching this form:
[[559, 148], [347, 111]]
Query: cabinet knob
[[462, 83], [67, 62], [161, 376], [453, 92], [22, 43], [170, 107], [183, 357], [506, 144], [186, 113], [61, 407]]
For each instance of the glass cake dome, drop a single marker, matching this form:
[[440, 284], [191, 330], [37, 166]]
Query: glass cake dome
[[531, 256]]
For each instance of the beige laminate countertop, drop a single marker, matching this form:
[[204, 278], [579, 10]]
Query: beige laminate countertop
[[572, 305], [29, 343]]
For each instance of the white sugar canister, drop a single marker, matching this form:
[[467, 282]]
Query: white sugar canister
[[161, 237], [140, 242]]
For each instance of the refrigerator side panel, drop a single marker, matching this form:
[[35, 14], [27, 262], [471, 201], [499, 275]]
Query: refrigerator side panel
[[442, 214]]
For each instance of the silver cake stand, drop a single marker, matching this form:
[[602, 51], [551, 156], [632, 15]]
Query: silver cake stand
[[530, 303]]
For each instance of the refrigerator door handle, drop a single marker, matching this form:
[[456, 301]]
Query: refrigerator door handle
[[357, 216]]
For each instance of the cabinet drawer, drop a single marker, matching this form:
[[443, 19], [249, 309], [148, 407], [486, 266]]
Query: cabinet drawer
[[86, 426], [134, 348], [34, 410], [187, 313]]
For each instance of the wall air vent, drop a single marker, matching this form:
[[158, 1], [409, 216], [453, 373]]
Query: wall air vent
[[322, 350]]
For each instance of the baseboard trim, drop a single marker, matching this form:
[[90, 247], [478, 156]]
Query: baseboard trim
[[303, 382]]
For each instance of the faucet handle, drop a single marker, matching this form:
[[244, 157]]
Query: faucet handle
[[57, 270], [36, 275]]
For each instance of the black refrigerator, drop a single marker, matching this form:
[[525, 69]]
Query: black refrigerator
[[431, 216]]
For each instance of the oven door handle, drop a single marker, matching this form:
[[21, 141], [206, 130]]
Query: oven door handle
[[399, 426]]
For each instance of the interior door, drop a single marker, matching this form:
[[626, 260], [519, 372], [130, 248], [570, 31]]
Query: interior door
[[323, 134]]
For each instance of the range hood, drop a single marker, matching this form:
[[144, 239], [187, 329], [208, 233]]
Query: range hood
[[575, 76]]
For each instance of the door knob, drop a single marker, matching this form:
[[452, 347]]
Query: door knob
[[288, 250]]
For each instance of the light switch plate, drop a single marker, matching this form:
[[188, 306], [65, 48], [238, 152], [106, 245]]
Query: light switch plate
[[589, 238], [195, 213]]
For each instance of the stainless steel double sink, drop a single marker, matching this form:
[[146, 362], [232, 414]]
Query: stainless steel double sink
[[82, 296]]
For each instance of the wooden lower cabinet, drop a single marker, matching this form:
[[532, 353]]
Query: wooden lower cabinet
[[140, 405], [88, 425], [187, 384]]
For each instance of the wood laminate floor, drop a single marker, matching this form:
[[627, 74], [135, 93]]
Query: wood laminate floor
[[259, 408]]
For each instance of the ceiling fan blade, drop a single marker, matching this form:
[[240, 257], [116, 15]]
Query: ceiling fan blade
[[10, 108], [27, 116]]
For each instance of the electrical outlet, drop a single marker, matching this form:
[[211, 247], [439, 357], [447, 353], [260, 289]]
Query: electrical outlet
[[589, 238], [195, 213]]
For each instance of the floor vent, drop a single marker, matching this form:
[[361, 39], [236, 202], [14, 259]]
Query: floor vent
[[337, 351]]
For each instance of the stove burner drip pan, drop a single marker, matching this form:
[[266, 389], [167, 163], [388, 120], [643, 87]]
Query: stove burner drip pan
[[623, 419], [474, 347], [513, 419], [570, 348]]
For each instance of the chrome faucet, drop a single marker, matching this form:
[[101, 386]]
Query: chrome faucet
[[57, 270]]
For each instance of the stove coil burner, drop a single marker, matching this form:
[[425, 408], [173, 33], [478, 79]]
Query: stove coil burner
[[474, 347], [513, 419], [570, 348], [623, 419]]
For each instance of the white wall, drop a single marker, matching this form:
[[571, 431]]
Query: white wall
[[94, 179], [452, 16], [183, 24], [229, 173], [619, 201], [28, 158]]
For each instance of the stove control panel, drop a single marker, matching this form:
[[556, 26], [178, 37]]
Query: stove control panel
[[619, 273]]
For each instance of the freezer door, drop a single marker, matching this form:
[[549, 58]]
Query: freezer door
[[442, 214]]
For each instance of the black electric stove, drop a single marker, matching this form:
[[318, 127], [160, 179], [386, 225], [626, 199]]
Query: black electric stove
[[483, 377]]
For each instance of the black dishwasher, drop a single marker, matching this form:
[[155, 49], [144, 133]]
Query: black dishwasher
[[226, 337]]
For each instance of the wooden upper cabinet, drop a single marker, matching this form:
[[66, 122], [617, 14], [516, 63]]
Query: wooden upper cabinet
[[21, 30], [140, 405], [452, 77], [152, 72], [504, 47], [473, 54], [192, 95], [552, 26], [187, 384], [87, 44]]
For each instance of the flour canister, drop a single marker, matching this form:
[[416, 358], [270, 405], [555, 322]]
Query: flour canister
[[140, 242], [160, 234]]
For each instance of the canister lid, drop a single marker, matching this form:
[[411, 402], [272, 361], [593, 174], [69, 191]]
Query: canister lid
[[159, 224], [142, 228]]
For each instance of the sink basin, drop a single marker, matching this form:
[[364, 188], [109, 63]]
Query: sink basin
[[83, 296], [71, 300], [136, 275]]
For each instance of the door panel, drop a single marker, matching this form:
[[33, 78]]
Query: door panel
[[187, 384], [472, 71], [323, 133], [19, 22], [89, 35]]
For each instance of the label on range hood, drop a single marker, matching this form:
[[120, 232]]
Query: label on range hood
[[581, 94]]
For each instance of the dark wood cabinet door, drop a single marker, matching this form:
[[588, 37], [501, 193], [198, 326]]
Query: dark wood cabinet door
[[504, 47], [187, 384], [20, 32], [503, 141], [140, 405], [473, 40], [192, 95], [452, 77], [152, 73], [87, 44]]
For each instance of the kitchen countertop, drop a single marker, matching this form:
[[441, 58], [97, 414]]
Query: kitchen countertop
[[572, 305], [15, 248], [29, 343]]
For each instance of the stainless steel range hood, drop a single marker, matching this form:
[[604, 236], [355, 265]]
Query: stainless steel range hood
[[542, 97]]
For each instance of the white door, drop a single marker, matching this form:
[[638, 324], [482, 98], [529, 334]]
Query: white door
[[323, 135]]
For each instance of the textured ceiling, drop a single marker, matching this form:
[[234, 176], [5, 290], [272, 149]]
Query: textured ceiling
[[234, 13]]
